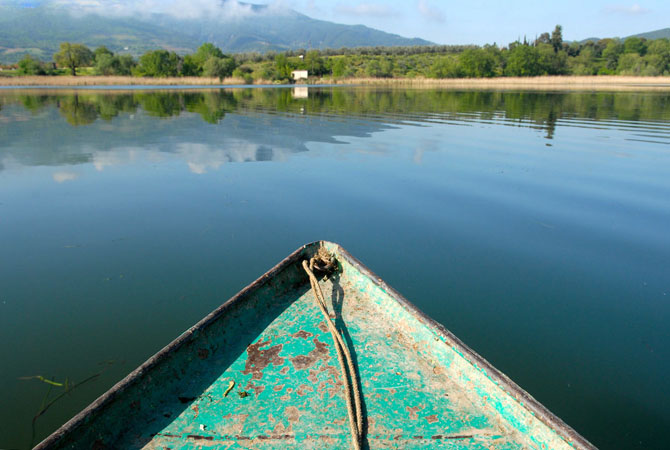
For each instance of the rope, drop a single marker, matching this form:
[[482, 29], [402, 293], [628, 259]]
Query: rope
[[324, 262]]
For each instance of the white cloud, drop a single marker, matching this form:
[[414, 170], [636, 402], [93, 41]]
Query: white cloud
[[202, 158], [632, 10], [430, 12], [184, 9], [366, 9], [102, 159], [62, 177], [199, 157]]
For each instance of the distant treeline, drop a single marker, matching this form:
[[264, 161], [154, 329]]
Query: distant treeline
[[546, 55]]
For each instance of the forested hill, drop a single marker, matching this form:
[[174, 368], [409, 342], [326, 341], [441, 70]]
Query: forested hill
[[658, 34], [37, 28], [663, 33]]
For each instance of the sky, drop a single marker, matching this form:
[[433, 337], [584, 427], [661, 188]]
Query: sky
[[486, 21], [443, 22]]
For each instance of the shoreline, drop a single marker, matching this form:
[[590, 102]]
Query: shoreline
[[544, 83], [570, 83]]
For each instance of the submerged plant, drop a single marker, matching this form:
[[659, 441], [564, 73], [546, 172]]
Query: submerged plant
[[56, 392]]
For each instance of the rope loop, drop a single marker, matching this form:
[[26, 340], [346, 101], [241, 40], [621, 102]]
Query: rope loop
[[324, 262]]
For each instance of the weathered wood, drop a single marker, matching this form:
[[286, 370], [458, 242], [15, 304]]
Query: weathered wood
[[422, 387]]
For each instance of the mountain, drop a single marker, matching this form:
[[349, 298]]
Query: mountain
[[658, 34], [39, 27], [650, 35]]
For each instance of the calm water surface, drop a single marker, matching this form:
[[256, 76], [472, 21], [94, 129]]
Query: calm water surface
[[535, 226]]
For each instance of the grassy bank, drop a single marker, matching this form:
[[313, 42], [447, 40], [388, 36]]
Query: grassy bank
[[624, 83], [92, 80]]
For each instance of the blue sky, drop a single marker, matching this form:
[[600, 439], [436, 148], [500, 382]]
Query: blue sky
[[444, 22], [485, 21]]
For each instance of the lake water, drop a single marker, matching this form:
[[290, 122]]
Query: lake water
[[535, 226]]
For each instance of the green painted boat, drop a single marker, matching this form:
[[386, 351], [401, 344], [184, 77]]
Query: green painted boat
[[262, 372]]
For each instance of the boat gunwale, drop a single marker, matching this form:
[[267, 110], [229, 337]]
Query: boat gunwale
[[115, 391], [524, 399]]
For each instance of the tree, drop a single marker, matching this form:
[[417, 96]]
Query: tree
[[339, 67], [194, 64], [446, 67], [523, 61], [107, 64], [631, 64], [31, 66], [314, 63], [585, 62], [557, 38], [159, 63], [102, 50], [550, 61], [476, 63], [73, 56], [283, 67], [543, 39], [206, 51], [635, 45], [126, 64], [658, 53], [611, 54], [379, 67], [218, 67]]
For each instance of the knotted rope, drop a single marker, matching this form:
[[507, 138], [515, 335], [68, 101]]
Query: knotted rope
[[324, 262]]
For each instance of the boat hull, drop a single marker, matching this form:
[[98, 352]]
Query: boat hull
[[421, 386]]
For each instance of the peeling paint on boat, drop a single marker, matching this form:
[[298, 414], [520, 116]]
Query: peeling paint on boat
[[422, 387]]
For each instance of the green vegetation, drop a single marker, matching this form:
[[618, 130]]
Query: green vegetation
[[547, 55], [107, 63], [30, 66], [73, 56], [541, 110]]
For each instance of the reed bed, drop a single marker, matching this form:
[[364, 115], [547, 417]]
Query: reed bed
[[601, 82], [86, 80], [608, 83]]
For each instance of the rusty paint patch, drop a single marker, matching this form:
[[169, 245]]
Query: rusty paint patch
[[302, 362], [258, 359], [304, 389], [302, 334], [413, 411], [278, 387], [284, 370], [258, 389], [196, 410], [432, 419], [203, 353], [280, 428], [292, 414], [231, 424]]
